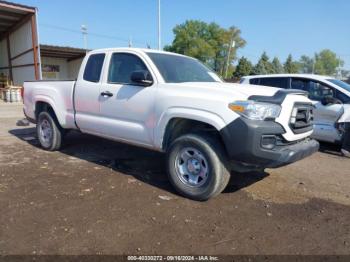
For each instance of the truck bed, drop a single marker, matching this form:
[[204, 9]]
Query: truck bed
[[59, 94]]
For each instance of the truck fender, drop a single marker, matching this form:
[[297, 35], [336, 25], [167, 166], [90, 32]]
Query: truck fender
[[50, 101], [185, 113]]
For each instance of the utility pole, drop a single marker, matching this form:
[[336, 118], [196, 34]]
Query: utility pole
[[159, 33], [130, 41], [232, 44], [84, 32], [340, 76]]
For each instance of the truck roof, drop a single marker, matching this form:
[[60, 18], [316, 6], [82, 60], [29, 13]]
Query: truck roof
[[311, 76], [138, 50]]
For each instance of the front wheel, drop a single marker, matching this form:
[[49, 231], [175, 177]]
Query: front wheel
[[49, 132], [196, 166]]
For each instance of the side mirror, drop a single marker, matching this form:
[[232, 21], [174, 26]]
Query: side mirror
[[142, 77]]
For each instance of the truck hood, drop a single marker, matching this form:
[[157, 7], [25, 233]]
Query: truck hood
[[230, 88]]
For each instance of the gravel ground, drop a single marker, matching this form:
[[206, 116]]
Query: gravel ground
[[100, 197]]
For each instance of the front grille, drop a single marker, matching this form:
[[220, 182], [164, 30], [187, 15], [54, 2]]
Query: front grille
[[302, 118]]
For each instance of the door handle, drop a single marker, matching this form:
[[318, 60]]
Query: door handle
[[106, 93]]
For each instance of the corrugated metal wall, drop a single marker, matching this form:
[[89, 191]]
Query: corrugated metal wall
[[3, 57], [19, 59], [20, 41]]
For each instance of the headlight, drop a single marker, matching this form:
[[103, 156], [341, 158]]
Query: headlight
[[255, 110]]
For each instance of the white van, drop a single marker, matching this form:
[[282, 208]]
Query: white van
[[330, 96]]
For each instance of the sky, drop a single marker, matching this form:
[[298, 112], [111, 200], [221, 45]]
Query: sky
[[278, 27]]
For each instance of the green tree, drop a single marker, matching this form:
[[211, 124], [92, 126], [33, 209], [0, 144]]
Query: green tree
[[290, 66], [306, 64], [327, 62], [263, 66], [243, 68], [209, 43], [277, 67]]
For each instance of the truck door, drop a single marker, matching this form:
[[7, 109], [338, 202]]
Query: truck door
[[87, 95], [325, 114], [127, 108]]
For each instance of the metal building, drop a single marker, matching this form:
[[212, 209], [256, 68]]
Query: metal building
[[19, 49], [60, 62]]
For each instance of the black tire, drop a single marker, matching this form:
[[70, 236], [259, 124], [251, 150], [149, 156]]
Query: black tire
[[218, 174], [52, 142], [345, 148]]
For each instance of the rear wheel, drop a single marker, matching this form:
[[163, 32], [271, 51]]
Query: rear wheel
[[49, 132], [196, 166]]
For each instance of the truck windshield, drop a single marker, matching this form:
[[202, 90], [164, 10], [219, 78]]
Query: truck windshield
[[180, 69], [340, 83]]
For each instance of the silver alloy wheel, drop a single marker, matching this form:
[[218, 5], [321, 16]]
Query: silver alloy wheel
[[191, 167], [45, 132]]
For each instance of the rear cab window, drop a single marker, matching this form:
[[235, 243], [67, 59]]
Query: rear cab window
[[300, 84], [93, 68], [254, 81], [280, 82]]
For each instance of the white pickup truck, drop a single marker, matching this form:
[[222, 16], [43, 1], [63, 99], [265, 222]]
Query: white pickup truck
[[174, 104]]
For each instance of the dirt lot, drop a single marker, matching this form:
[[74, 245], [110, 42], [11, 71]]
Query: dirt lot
[[102, 197]]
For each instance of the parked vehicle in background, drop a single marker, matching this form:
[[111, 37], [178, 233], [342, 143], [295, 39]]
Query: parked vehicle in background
[[174, 104], [330, 96]]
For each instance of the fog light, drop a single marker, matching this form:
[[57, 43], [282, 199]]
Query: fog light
[[268, 142]]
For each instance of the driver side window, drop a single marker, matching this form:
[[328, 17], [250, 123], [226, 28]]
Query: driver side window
[[121, 67], [318, 91]]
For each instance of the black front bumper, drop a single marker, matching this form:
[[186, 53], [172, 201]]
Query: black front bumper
[[260, 143]]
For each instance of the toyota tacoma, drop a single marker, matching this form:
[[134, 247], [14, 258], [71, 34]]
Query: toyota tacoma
[[174, 104]]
